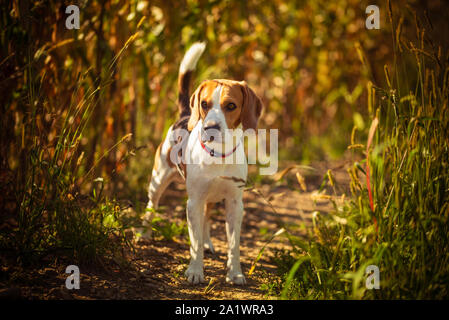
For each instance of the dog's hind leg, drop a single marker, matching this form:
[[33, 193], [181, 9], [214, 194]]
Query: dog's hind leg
[[162, 175]]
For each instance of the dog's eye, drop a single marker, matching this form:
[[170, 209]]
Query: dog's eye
[[204, 104], [231, 106]]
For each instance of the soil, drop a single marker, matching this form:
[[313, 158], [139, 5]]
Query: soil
[[156, 267]]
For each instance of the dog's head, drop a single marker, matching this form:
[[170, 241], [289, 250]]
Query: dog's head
[[221, 105]]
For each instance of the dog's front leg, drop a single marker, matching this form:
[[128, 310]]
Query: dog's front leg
[[234, 216], [195, 221]]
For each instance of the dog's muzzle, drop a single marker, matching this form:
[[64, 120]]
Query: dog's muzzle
[[211, 132]]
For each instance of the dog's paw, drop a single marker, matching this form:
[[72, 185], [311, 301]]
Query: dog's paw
[[236, 278], [194, 275]]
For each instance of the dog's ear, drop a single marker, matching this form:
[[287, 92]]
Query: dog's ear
[[195, 108], [251, 108]]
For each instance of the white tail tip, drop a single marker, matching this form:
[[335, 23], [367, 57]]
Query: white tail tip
[[191, 57]]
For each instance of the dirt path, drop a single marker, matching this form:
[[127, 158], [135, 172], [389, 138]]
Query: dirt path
[[157, 268]]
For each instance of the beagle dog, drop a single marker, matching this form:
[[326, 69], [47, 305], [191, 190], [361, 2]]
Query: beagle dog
[[206, 161]]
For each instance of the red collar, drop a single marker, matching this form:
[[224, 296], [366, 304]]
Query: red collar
[[214, 153]]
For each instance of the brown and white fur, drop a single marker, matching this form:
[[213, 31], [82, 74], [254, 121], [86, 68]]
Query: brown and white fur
[[221, 105]]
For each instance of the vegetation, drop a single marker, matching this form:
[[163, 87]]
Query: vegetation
[[397, 219], [83, 111]]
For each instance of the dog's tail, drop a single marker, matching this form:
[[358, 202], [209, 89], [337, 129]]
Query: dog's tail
[[186, 68]]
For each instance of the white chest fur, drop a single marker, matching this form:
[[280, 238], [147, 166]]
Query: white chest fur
[[213, 178]]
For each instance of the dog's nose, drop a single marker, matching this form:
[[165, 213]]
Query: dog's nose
[[210, 131], [215, 126]]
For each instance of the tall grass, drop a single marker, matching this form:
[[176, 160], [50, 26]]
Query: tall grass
[[398, 219], [59, 207], [53, 215]]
